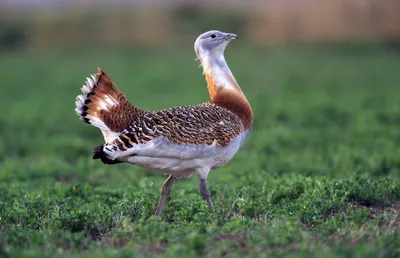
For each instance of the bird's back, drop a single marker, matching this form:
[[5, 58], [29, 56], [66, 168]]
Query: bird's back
[[195, 124]]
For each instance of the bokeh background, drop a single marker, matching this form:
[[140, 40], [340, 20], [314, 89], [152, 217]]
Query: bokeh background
[[45, 23], [320, 171]]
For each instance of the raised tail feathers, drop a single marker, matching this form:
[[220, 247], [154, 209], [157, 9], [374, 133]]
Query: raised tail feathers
[[103, 105]]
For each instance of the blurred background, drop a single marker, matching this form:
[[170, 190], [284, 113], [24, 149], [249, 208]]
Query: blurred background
[[45, 23]]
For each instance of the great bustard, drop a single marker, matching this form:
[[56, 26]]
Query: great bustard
[[175, 141]]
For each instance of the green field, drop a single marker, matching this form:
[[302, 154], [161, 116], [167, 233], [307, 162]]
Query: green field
[[318, 176]]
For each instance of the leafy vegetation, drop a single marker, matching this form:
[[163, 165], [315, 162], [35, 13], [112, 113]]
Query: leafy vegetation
[[319, 174]]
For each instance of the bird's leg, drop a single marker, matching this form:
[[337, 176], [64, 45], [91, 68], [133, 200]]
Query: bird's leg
[[166, 190], [205, 193]]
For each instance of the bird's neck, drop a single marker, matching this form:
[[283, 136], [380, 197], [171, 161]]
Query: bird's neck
[[224, 89], [218, 75]]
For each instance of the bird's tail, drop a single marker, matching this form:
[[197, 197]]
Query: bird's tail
[[103, 105], [98, 153]]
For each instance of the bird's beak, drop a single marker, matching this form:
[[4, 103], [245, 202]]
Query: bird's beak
[[230, 36]]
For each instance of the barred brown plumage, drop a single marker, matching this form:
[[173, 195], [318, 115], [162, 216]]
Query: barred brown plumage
[[176, 141], [197, 124]]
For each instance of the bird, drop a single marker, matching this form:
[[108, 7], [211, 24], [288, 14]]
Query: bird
[[177, 141]]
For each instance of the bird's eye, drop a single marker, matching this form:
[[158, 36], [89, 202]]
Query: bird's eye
[[213, 36]]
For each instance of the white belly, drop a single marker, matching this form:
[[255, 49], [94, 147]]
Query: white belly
[[180, 160]]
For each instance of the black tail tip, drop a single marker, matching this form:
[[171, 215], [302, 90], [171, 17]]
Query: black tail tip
[[98, 153]]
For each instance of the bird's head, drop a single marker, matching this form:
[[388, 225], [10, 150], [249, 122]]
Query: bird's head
[[212, 42]]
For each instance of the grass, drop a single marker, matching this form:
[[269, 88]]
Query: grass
[[318, 176]]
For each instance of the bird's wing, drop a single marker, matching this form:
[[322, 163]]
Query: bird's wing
[[157, 134]]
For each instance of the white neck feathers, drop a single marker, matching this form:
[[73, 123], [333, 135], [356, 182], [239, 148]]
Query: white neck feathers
[[216, 69]]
